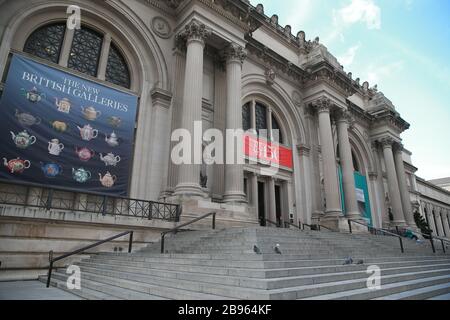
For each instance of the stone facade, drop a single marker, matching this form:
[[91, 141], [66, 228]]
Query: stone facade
[[203, 60]]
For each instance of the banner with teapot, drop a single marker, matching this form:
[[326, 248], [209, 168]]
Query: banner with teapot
[[61, 130]]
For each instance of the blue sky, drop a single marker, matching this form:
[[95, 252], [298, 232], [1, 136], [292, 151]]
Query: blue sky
[[401, 45]]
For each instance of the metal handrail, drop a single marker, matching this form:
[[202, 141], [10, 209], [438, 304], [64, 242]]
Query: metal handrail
[[273, 223], [432, 238], [321, 226], [307, 225], [175, 230], [30, 195], [376, 229], [53, 260], [287, 224]]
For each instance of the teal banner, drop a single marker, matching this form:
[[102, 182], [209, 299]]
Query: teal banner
[[362, 196]]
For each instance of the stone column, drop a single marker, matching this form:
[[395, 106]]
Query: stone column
[[394, 189], [404, 192], [254, 191], [439, 224], [196, 34], [430, 217], [348, 171], [333, 208], [444, 214], [272, 201], [234, 173]]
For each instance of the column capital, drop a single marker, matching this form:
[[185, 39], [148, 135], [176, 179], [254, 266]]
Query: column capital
[[304, 150], [194, 31], [235, 53], [398, 147], [386, 142], [323, 104]]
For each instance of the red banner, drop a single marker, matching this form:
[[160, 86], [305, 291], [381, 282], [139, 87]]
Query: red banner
[[267, 152]]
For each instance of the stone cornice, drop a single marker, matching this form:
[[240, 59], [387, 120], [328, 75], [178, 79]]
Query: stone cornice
[[391, 119], [162, 97], [275, 61], [324, 72]]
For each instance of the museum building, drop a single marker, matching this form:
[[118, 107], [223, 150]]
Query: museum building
[[225, 63]]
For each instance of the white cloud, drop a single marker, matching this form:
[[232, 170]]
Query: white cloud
[[375, 73], [349, 56], [361, 11]]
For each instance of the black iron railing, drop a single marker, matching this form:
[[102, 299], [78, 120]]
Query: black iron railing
[[82, 250], [428, 236], [276, 224], [288, 224], [377, 231], [50, 198], [175, 230]]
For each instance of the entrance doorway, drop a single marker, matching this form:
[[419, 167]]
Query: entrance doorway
[[262, 204], [278, 204]]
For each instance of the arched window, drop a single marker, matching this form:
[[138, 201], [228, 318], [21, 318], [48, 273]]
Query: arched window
[[84, 55], [261, 115], [277, 134], [117, 70], [85, 51], [46, 42]]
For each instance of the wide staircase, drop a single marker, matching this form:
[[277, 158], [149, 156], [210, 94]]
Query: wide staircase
[[222, 265]]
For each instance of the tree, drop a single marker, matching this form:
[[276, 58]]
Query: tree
[[421, 223]]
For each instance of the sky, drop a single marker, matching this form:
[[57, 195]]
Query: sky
[[403, 46]]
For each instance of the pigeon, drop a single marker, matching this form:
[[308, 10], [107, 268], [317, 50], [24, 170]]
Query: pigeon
[[277, 249], [256, 249], [348, 261], [360, 262]]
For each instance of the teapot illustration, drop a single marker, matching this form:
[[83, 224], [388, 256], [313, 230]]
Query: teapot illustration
[[23, 140], [110, 159], [51, 170], [60, 126], [113, 140], [55, 148], [90, 113], [84, 154], [63, 105], [27, 119], [107, 180], [17, 165], [81, 175], [33, 95], [115, 122], [88, 133]]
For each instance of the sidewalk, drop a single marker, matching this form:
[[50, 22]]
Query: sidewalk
[[32, 290]]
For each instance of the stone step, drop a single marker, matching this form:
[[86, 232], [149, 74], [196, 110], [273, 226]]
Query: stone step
[[386, 289], [132, 273], [165, 268], [188, 260], [335, 290], [102, 283], [84, 293], [101, 289], [420, 294]]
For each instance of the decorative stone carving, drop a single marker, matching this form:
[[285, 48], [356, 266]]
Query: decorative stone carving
[[297, 98], [386, 142], [323, 104], [235, 52], [161, 27], [274, 20], [195, 31], [260, 8], [270, 76]]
